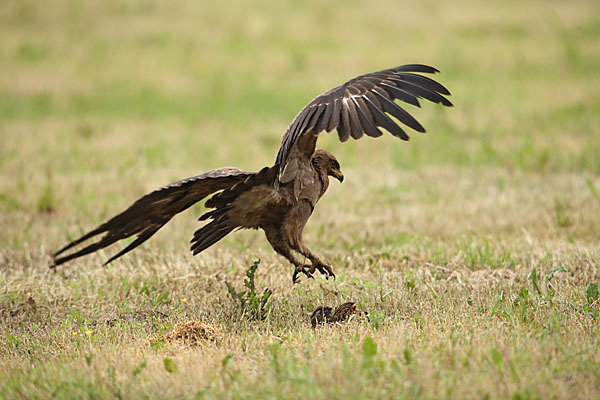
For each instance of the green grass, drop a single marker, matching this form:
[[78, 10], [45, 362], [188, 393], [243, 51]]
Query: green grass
[[438, 238]]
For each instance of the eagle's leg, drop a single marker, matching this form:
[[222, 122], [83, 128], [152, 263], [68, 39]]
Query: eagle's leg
[[281, 247], [292, 233]]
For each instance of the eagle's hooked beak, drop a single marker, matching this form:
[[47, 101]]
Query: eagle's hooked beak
[[337, 174]]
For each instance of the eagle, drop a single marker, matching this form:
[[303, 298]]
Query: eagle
[[281, 198]]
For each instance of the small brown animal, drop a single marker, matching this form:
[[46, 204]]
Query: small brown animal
[[325, 314], [278, 199]]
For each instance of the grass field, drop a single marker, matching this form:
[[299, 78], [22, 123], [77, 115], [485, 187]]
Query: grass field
[[475, 247]]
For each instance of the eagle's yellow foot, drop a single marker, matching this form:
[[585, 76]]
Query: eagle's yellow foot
[[305, 269], [323, 268]]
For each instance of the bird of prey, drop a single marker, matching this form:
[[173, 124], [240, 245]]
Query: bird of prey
[[278, 199]]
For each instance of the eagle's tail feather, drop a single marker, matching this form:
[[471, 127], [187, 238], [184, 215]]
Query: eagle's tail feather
[[210, 234]]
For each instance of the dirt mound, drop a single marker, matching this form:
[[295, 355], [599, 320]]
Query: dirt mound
[[192, 332]]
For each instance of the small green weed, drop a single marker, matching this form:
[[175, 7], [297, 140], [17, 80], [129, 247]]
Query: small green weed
[[535, 281], [248, 301]]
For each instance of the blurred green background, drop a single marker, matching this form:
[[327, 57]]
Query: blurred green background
[[146, 92]]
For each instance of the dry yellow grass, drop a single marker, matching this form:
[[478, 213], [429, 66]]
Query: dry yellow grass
[[101, 102]]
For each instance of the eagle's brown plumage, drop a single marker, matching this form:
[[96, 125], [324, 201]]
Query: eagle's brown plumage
[[278, 199]]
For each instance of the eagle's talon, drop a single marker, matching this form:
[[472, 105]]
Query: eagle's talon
[[324, 269], [305, 269]]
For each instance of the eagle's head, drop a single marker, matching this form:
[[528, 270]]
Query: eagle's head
[[325, 161]]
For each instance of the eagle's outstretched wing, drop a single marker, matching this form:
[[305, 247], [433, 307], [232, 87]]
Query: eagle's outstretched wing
[[360, 106], [149, 213]]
